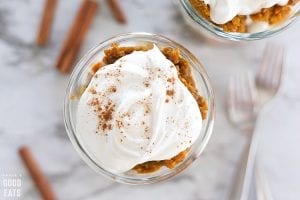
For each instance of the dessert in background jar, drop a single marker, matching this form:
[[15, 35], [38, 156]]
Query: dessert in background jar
[[245, 15]]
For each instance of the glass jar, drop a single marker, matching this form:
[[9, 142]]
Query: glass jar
[[213, 31], [80, 78]]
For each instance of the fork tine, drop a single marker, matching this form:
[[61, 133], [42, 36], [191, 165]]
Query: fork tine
[[246, 90], [268, 75], [261, 70], [272, 65], [235, 101], [262, 73], [277, 69], [252, 89], [231, 101], [240, 96], [243, 90]]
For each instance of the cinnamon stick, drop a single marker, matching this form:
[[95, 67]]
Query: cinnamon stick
[[117, 11], [71, 35], [37, 175], [76, 35], [46, 22]]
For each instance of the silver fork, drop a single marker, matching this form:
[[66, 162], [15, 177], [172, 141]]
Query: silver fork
[[245, 100]]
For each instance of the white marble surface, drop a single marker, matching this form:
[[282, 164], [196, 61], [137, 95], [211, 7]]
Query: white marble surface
[[32, 95]]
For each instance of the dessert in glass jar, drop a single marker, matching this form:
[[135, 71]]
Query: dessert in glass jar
[[139, 108]]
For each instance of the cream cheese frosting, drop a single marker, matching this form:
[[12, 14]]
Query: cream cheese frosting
[[136, 110]]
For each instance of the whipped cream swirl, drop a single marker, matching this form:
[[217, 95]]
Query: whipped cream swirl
[[137, 110]]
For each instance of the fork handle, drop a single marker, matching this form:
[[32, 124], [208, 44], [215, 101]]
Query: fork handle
[[242, 185], [263, 191]]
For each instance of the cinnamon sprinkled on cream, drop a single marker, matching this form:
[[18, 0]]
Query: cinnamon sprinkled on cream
[[112, 89], [171, 80], [170, 93], [104, 113]]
